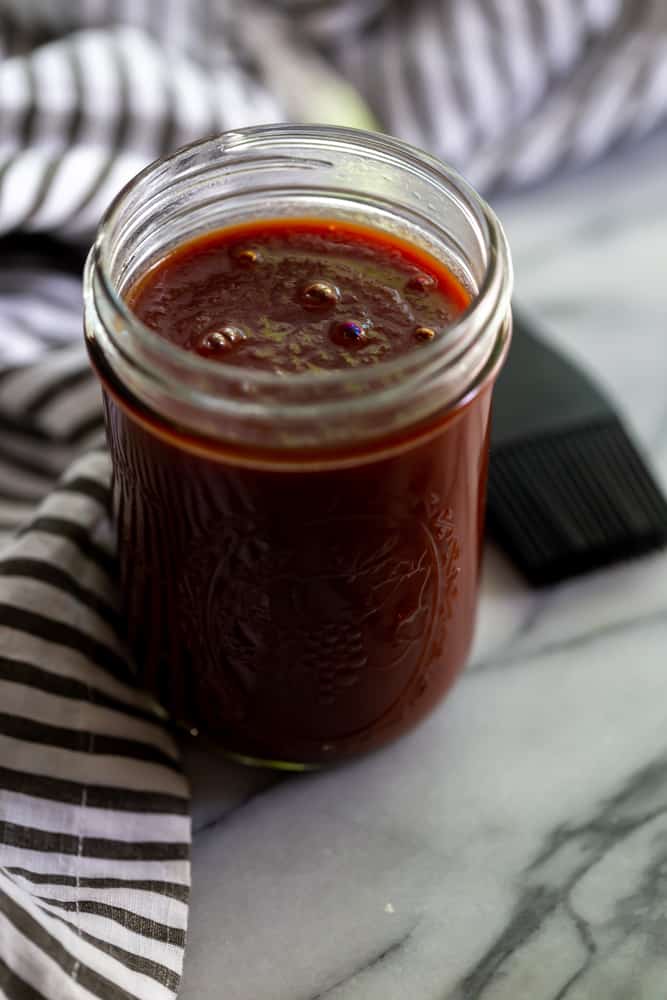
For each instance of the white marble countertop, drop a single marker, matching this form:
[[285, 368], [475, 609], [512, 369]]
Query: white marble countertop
[[514, 846]]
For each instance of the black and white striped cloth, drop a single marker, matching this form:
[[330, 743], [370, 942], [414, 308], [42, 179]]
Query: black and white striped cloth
[[94, 824], [94, 811]]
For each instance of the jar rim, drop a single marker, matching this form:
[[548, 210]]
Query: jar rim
[[459, 334]]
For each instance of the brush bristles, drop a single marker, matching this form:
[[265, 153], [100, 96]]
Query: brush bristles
[[569, 502]]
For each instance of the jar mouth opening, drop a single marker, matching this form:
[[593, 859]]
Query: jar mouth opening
[[492, 291]]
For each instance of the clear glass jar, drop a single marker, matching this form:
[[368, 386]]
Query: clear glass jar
[[299, 553]]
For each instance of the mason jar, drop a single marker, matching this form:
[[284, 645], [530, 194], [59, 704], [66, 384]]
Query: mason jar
[[299, 553]]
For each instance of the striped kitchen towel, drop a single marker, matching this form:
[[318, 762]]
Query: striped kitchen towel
[[505, 90], [94, 824], [94, 810]]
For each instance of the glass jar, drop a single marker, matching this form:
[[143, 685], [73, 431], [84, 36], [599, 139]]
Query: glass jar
[[299, 553]]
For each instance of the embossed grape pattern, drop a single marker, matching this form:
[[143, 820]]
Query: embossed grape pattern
[[300, 616]]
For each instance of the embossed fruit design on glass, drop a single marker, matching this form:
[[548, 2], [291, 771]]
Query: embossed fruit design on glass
[[297, 331]]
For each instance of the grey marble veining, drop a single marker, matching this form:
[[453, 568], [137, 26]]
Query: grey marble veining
[[514, 846]]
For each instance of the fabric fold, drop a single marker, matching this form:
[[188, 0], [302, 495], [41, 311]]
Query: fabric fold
[[94, 809]]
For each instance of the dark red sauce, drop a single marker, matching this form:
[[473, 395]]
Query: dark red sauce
[[302, 296], [299, 614]]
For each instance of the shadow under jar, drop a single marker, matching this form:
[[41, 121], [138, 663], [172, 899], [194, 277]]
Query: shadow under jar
[[299, 552]]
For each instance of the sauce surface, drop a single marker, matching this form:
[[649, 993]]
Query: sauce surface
[[299, 296]]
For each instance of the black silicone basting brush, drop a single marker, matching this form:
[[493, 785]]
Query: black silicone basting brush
[[568, 489]]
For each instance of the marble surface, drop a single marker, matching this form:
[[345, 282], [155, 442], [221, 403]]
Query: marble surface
[[513, 847]]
